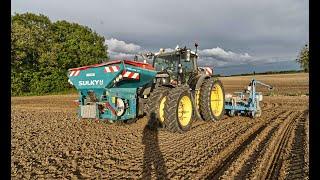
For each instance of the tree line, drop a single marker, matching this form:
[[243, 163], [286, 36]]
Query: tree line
[[303, 58], [42, 51]]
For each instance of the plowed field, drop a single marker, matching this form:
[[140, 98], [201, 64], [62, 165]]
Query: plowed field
[[48, 141]]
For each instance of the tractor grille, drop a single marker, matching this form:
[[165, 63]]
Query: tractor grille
[[88, 111]]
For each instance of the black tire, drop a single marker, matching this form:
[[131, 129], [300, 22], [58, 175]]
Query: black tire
[[174, 97], [153, 107], [205, 99]]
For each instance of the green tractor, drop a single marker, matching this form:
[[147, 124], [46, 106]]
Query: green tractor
[[172, 92], [182, 91]]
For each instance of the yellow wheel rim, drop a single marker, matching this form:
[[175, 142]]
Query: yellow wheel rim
[[161, 109], [216, 99], [184, 110]]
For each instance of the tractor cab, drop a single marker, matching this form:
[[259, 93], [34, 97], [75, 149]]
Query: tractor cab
[[175, 67]]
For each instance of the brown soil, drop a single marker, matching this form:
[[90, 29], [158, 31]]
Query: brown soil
[[284, 84], [48, 141]]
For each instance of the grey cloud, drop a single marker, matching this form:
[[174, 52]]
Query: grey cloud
[[264, 29], [211, 57]]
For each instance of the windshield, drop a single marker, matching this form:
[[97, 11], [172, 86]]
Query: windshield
[[187, 66], [165, 63]]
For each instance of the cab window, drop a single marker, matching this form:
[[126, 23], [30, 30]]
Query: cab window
[[187, 65], [162, 63]]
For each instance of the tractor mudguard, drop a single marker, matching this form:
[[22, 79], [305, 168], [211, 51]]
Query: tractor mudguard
[[200, 81], [197, 113], [196, 81], [195, 85]]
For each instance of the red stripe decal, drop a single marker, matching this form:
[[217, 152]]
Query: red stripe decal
[[131, 74]]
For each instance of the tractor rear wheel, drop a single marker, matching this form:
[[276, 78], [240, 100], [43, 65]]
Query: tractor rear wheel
[[178, 110], [155, 107], [212, 100]]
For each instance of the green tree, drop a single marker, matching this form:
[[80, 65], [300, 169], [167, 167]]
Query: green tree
[[77, 45], [29, 39], [303, 58], [42, 52]]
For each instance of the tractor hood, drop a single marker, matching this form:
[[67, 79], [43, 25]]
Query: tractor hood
[[117, 73]]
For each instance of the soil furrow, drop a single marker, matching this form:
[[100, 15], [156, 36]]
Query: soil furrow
[[218, 172], [247, 166], [297, 166], [49, 142], [273, 171], [228, 152], [260, 151], [271, 160]]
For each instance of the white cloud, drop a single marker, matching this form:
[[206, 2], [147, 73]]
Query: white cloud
[[221, 54], [115, 55], [118, 46], [211, 57], [121, 50], [216, 57]]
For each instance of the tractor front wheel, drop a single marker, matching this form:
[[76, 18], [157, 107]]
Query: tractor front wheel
[[212, 100], [178, 110]]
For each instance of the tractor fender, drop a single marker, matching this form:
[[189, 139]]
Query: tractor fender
[[200, 81], [196, 87], [197, 113]]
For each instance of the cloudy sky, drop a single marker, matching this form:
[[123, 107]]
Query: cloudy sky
[[229, 32]]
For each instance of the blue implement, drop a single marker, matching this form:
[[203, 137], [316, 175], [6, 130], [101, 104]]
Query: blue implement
[[246, 102]]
